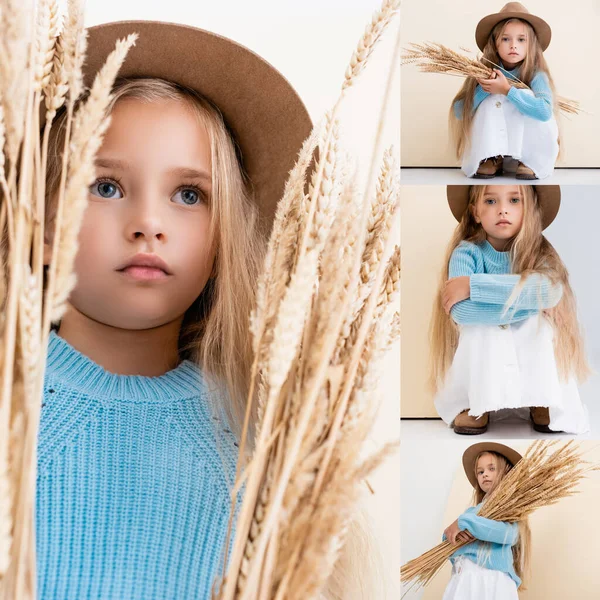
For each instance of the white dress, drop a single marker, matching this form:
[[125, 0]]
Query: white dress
[[500, 129], [472, 582], [510, 367]]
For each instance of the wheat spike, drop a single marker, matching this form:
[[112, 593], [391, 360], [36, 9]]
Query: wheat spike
[[56, 90], [46, 32], [369, 40], [14, 71]]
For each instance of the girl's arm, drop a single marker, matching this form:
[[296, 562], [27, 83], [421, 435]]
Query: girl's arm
[[464, 262], [537, 107], [488, 530], [537, 292], [480, 96]]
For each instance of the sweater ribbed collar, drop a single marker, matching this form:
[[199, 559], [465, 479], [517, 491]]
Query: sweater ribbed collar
[[77, 371], [512, 74], [494, 257]]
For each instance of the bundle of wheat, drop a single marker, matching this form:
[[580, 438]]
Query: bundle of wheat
[[40, 62], [547, 473], [327, 310], [437, 58]]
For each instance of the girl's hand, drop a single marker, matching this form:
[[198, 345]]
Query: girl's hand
[[464, 536], [497, 85], [452, 532], [455, 290]]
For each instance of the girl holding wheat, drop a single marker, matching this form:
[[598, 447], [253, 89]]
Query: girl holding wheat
[[189, 362], [504, 329], [491, 119], [137, 442], [495, 558]]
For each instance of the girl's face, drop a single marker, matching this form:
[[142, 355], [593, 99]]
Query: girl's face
[[150, 196], [500, 213], [487, 472], [512, 44]]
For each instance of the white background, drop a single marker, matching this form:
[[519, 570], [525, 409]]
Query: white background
[[311, 43]]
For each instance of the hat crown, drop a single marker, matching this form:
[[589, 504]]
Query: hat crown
[[512, 7]]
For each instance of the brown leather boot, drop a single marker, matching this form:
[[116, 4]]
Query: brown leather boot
[[490, 168], [467, 425], [540, 419], [524, 172]]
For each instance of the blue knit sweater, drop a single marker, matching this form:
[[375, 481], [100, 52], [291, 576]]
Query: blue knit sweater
[[492, 548], [132, 489], [492, 284], [539, 106]]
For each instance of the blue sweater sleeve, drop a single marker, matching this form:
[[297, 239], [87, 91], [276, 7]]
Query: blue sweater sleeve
[[489, 530], [480, 96], [537, 292], [539, 106], [464, 262]]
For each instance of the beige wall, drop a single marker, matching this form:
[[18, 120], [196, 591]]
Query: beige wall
[[426, 97], [565, 540], [427, 226]]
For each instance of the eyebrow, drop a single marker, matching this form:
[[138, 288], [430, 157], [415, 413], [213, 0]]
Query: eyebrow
[[187, 172], [512, 193]]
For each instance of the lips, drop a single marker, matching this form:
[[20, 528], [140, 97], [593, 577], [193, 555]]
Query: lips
[[503, 223], [149, 261]]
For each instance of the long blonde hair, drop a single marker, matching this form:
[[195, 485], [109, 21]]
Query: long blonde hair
[[533, 63], [522, 549], [530, 252], [215, 331]]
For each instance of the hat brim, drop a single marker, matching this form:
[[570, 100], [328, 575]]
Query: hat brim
[[548, 199], [265, 115], [485, 26], [473, 451]]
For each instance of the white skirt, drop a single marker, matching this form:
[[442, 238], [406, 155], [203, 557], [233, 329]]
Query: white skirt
[[510, 367], [500, 129], [472, 582]]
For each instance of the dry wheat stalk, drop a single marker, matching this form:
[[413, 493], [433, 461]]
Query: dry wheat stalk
[[316, 409], [547, 473], [437, 58], [38, 63]]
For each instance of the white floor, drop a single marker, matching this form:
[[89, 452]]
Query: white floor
[[448, 176], [508, 427]]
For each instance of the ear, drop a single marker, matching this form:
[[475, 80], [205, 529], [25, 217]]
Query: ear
[[474, 213]]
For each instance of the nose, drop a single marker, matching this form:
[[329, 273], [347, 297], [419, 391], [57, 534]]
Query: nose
[[146, 221]]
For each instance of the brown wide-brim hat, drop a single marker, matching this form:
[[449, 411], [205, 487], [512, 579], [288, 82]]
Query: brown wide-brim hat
[[265, 115], [472, 452], [548, 198], [513, 10]]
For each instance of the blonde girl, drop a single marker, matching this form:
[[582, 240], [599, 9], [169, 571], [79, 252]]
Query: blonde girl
[[147, 372], [504, 330], [491, 120], [494, 563]]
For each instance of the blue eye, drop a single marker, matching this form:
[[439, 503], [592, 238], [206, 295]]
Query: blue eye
[[190, 195], [515, 200], [490, 201], [104, 188]]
